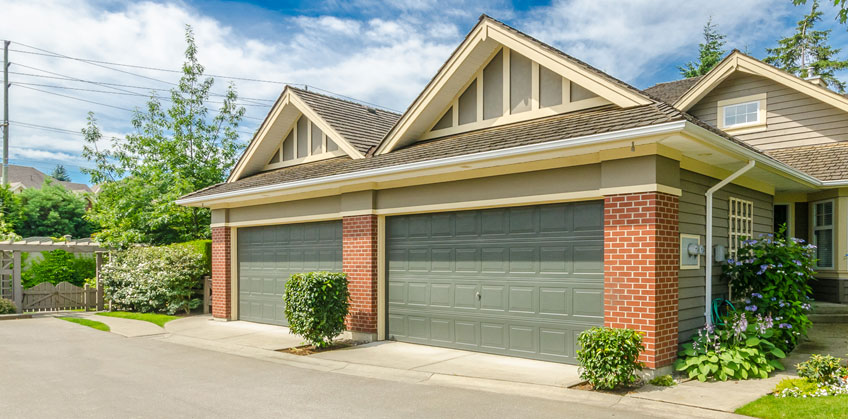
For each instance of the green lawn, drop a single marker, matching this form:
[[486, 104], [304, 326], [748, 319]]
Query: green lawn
[[86, 322], [157, 319], [770, 407]]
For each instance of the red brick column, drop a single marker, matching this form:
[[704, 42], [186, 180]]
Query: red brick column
[[221, 273], [359, 262], [641, 261]]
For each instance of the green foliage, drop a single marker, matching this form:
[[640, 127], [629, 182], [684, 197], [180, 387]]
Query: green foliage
[[841, 15], [10, 210], [316, 305], [60, 173], [774, 274], [663, 381], [155, 318], [796, 408], [154, 279], [53, 211], [86, 322], [609, 357], [807, 52], [803, 385], [738, 350], [59, 266], [203, 247], [7, 306], [173, 151], [822, 369], [709, 52]]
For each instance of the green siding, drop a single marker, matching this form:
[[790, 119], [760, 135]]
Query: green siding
[[693, 221], [518, 281], [269, 255]]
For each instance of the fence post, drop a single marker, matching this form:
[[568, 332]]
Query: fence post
[[98, 260], [16, 282], [207, 291]]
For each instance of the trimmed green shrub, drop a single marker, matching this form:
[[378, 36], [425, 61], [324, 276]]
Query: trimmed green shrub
[[58, 266], [609, 357], [154, 279], [738, 350], [316, 305], [202, 247], [822, 369], [773, 276], [7, 306], [663, 381]]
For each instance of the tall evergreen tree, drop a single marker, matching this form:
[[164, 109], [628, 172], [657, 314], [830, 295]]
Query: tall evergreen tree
[[807, 52], [841, 15], [60, 173], [174, 150], [709, 52]]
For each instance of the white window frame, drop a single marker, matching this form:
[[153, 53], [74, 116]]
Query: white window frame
[[825, 227], [740, 215], [758, 125]]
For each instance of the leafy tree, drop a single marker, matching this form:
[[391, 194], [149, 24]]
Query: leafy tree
[[173, 151], [841, 15], [10, 210], [53, 211], [59, 173], [807, 53], [58, 266], [709, 52]]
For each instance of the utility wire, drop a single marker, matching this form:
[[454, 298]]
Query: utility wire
[[67, 131], [76, 98]]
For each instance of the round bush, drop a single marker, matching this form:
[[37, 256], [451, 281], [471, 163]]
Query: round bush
[[7, 306], [316, 306], [609, 357]]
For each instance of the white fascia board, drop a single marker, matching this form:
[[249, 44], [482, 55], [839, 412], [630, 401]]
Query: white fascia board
[[665, 128]]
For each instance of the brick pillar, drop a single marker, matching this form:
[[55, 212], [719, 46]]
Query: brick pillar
[[221, 273], [641, 261], [359, 262]]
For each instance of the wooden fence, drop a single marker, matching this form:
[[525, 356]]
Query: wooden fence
[[62, 296]]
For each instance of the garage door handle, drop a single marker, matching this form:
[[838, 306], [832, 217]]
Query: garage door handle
[[478, 295]]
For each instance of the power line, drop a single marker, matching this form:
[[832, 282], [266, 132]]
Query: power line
[[76, 98], [67, 131]]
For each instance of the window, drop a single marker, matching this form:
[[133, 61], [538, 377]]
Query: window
[[741, 223], [742, 114], [823, 233]]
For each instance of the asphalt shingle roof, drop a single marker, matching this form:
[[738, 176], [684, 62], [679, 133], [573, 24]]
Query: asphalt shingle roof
[[824, 161], [670, 91], [557, 127], [362, 126]]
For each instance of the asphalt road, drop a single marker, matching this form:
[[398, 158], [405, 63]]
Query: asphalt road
[[52, 368]]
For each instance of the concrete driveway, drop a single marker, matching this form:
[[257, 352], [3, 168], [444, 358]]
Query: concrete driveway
[[52, 368]]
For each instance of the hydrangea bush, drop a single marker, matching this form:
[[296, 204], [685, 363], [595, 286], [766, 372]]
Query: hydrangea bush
[[162, 279], [772, 276]]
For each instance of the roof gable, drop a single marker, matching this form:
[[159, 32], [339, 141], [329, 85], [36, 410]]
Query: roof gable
[[737, 61], [479, 47], [352, 127]]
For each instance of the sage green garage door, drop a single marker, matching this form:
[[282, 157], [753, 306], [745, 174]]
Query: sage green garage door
[[269, 255], [521, 281]]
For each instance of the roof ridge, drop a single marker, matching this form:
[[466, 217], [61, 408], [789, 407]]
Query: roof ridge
[[377, 108]]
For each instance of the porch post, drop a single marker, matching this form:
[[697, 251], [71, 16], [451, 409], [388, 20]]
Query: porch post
[[16, 281]]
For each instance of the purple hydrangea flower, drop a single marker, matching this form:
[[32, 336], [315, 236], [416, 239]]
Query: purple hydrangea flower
[[751, 308], [785, 326], [756, 295]]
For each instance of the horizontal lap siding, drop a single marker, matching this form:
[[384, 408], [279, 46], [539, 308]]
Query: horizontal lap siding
[[693, 221], [793, 118]]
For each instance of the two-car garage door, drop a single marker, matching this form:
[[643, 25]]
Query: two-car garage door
[[521, 281]]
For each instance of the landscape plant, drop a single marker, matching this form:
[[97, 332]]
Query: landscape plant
[[52, 211], [772, 276], [316, 306], [7, 306], [737, 350], [820, 376], [162, 279], [609, 357], [58, 266]]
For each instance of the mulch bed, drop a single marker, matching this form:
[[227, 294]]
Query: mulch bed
[[305, 350], [621, 391]]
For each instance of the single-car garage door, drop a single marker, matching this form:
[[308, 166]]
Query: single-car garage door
[[521, 281], [269, 255]]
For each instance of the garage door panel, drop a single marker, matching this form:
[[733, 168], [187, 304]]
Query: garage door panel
[[517, 281], [269, 255]]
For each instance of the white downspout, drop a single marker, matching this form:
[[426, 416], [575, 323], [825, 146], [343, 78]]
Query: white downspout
[[708, 298]]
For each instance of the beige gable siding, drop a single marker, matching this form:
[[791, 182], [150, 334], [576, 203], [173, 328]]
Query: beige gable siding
[[693, 221], [792, 118]]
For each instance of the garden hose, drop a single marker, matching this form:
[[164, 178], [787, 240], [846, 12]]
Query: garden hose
[[717, 305]]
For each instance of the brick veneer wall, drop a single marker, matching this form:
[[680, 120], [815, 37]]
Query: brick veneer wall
[[359, 262], [221, 272], [641, 262]]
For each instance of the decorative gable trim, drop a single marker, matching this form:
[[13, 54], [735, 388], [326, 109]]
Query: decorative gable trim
[[258, 153], [491, 32], [738, 61]]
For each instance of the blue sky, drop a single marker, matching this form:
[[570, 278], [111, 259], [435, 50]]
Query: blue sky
[[380, 52]]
